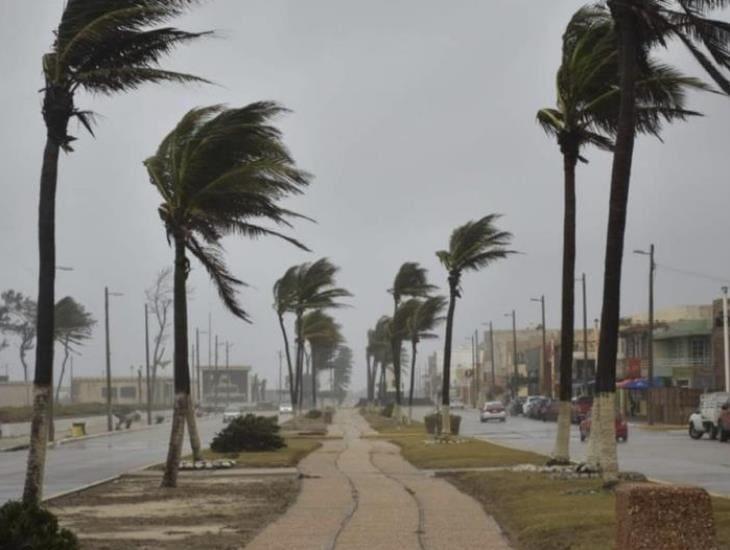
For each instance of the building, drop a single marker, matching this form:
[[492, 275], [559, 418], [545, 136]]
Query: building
[[222, 386], [16, 394], [130, 390], [683, 354], [717, 344]]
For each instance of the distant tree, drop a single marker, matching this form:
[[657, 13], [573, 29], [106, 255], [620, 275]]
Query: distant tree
[[73, 326], [18, 318], [219, 172], [159, 302], [342, 372], [284, 298], [382, 351], [472, 247], [323, 334], [102, 47]]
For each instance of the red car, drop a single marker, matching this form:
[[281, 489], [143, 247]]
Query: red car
[[620, 426]]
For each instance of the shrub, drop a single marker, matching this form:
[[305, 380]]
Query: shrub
[[30, 527], [314, 413], [249, 433], [387, 411]]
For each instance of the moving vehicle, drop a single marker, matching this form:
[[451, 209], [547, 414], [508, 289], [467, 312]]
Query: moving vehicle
[[533, 404], [580, 407], [493, 410], [230, 414], [620, 427], [286, 408], [708, 419]]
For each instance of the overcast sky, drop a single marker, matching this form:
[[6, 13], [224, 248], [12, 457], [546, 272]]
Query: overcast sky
[[414, 116]]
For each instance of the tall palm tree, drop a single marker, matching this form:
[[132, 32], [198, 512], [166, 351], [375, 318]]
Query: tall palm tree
[[371, 365], [586, 114], [218, 172], [410, 281], [284, 298], [315, 288], [101, 47], [382, 354], [323, 334], [472, 247], [642, 25], [424, 319]]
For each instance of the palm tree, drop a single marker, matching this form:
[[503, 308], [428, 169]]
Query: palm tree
[[101, 47], [472, 247], [411, 280], [218, 172], [284, 297], [424, 319], [382, 354], [641, 25], [315, 288], [586, 114], [324, 336], [370, 351]]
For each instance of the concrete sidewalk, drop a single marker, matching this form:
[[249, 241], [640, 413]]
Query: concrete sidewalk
[[361, 494]]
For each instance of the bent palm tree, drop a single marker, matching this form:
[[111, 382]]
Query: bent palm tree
[[315, 289], [640, 26], [284, 298], [323, 334], [218, 172], [102, 47], [411, 280], [586, 114], [424, 319], [472, 247], [382, 354]]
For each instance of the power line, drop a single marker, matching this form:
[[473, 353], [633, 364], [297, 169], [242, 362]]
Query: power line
[[713, 278]]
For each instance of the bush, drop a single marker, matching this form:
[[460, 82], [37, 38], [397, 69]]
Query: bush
[[387, 411], [249, 433], [32, 528], [314, 414]]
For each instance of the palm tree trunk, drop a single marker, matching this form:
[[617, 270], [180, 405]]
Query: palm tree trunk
[[42, 382], [180, 366], [299, 362], [446, 382], [561, 454], [193, 433], [292, 394], [396, 345], [620, 178], [413, 376], [383, 388], [368, 360], [314, 379]]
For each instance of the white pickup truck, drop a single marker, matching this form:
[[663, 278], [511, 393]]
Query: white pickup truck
[[712, 418]]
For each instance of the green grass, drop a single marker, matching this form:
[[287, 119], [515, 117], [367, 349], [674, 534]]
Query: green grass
[[539, 513], [296, 449], [473, 453]]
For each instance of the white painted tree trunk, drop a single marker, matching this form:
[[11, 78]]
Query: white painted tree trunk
[[177, 434], [607, 438], [561, 454], [445, 420], [33, 492], [593, 455], [193, 431]]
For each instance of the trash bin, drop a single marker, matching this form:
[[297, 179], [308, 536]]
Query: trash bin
[[78, 429]]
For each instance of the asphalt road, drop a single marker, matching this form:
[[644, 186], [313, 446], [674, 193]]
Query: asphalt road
[[664, 455], [73, 465]]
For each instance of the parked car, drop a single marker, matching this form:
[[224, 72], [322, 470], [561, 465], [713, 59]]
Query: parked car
[[580, 407], [548, 410], [621, 428], [230, 414], [493, 410], [533, 404], [516, 406], [286, 408], [708, 419]]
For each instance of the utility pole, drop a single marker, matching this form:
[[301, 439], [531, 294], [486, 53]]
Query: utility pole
[[109, 423], [228, 375], [478, 370], [725, 339], [491, 352], [215, 376], [472, 386], [197, 363], [147, 363], [650, 351], [585, 338], [545, 384], [514, 352], [280, 377]]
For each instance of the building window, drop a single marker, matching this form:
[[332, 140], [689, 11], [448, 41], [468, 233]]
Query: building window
[[698, 348], [104, 394], [128, 392]]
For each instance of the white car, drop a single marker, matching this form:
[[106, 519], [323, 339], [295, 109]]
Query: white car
[[493, 410], [457, 404], [286, 408], [231, 414]]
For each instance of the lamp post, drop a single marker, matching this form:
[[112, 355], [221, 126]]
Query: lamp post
[[477, 369], [652, 268], [585, 337], [228, 374], [147, 363], [546, 381], [109, 422], [725, 339], [514, 352]]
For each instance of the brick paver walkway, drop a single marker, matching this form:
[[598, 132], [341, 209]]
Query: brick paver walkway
[[361, 494]]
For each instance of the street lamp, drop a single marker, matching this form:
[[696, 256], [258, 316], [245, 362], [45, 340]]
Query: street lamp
[[491, 353], [147, 363], [585, 336], [109, 423], [725, 339], [514, 351], [652, 268], [547, 384]]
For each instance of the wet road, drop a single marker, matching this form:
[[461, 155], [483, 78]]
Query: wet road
[[76, 464]]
